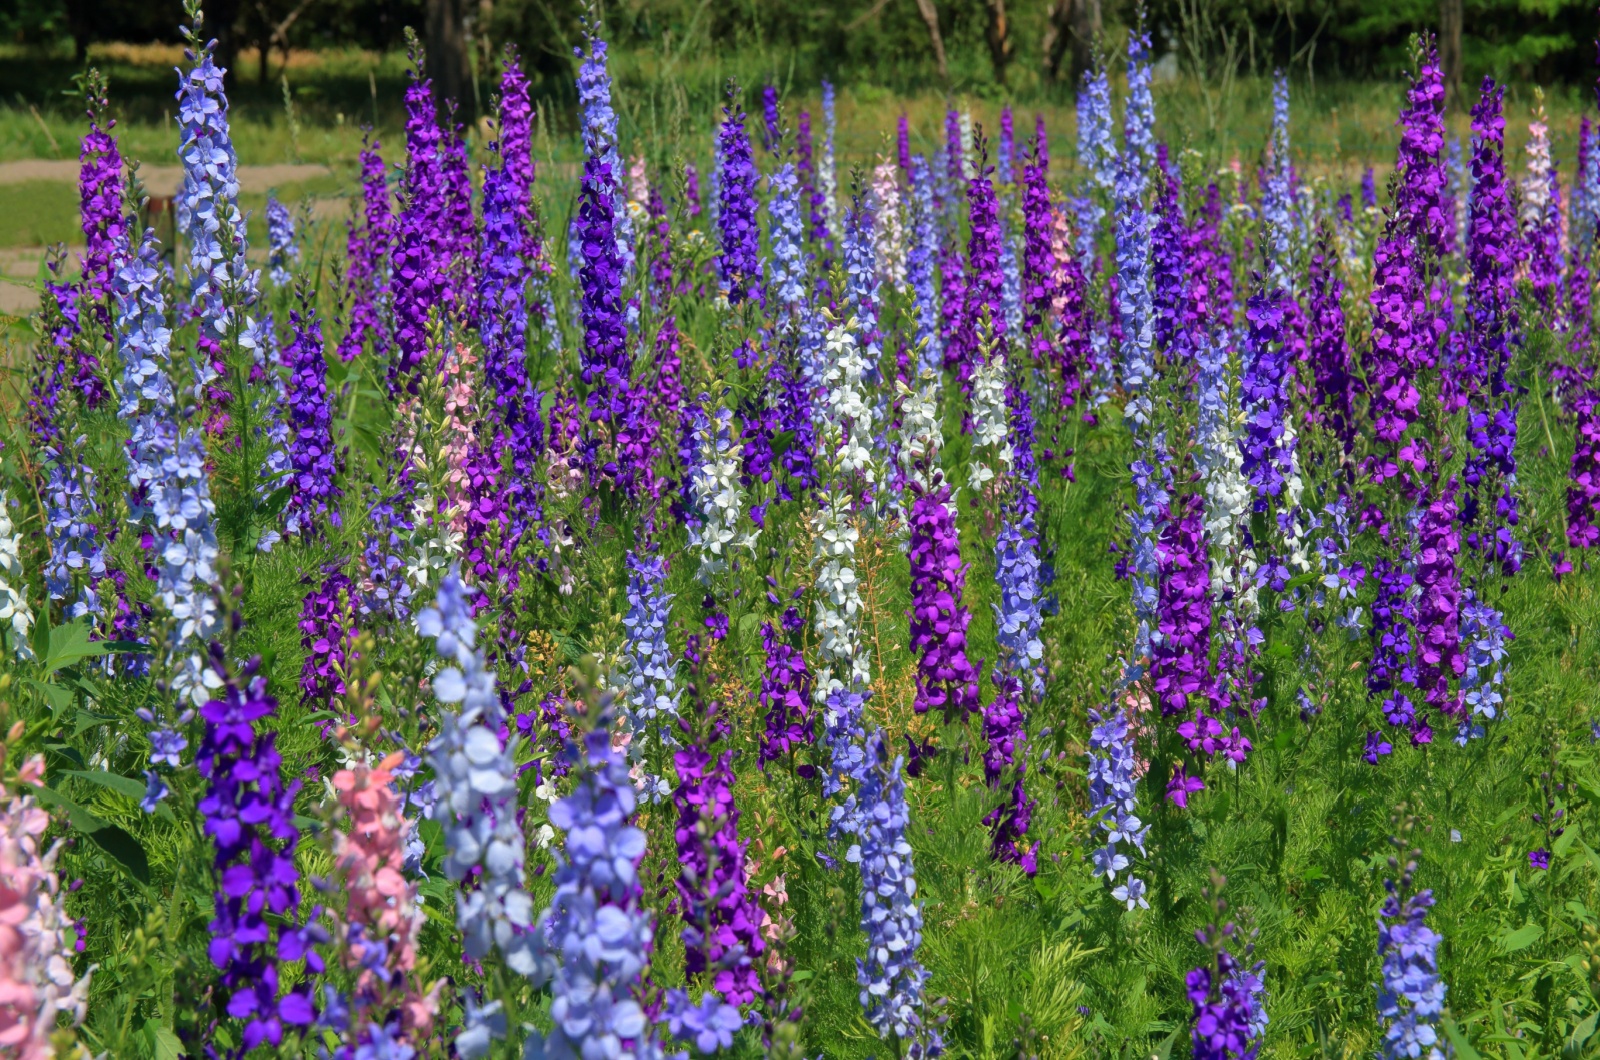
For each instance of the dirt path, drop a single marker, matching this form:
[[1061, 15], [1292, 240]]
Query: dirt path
[[162, 181]]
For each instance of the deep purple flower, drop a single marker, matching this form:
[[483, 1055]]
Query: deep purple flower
[[986, 295], [1394, 616], [1039, 264], [367, 268], [946, 680], [1583, 490], [740, 259], [249, 815], [1438, 604], [326, 631], [418, 283], [786, 698], [100, 196], [606, 366], [1267, 444], [721, 934], [1539, 859], [771, 121], [310, 422], [1333, 391]]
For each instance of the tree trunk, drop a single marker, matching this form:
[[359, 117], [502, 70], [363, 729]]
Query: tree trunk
[[1450, 49], [930, 15], [221, 24], [447, 49], [1086, 30], [999, 34], [1074, 25]]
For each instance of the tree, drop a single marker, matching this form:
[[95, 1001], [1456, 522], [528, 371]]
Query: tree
[[1450, 49], [1074, 25], [447, 49], [999, 36]]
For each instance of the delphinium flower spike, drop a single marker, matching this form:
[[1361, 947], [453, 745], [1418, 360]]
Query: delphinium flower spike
[[596, 935], [1229, 997], [922, 260], [249, 814], [721, 934], [1277, 193], [417, 281], [740, 260], [37, 982], [891, 977], [283, 253], [599, 122], [946, 680], [16, 615], [476, 782], [649, 669], [1411, 995], [221, 285], [315, 496], [827, 171], [169, 485], [105, 226], [368, 253]]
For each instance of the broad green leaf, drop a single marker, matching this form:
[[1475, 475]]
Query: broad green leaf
[[70, 643], [1564, 842], [1521, 939], [133, 789], [59, 699], [123, 848], [163, 1042], [1458, 1038]]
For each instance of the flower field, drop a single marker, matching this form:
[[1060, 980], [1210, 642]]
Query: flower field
[[1018, 599]]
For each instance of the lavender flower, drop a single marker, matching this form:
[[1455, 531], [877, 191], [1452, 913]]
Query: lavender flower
[[169, 486], [786, 275], [648, 667], [861, 279], [476, 782], [1411, 997], [921, 261], [283, 252], [1277, 193], [76, 550], [595, 936], [1114, 799], [1098, 157], [891, 978]]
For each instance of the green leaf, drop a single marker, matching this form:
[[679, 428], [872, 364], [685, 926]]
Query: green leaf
[[163, 1042], [88, 719], [801, 976], [1564, 841], [747, 622], [59, 699], [1582, 1033], [123, 848], [68, 644], [1458, 1038], [1521, 939], [133, 789]]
